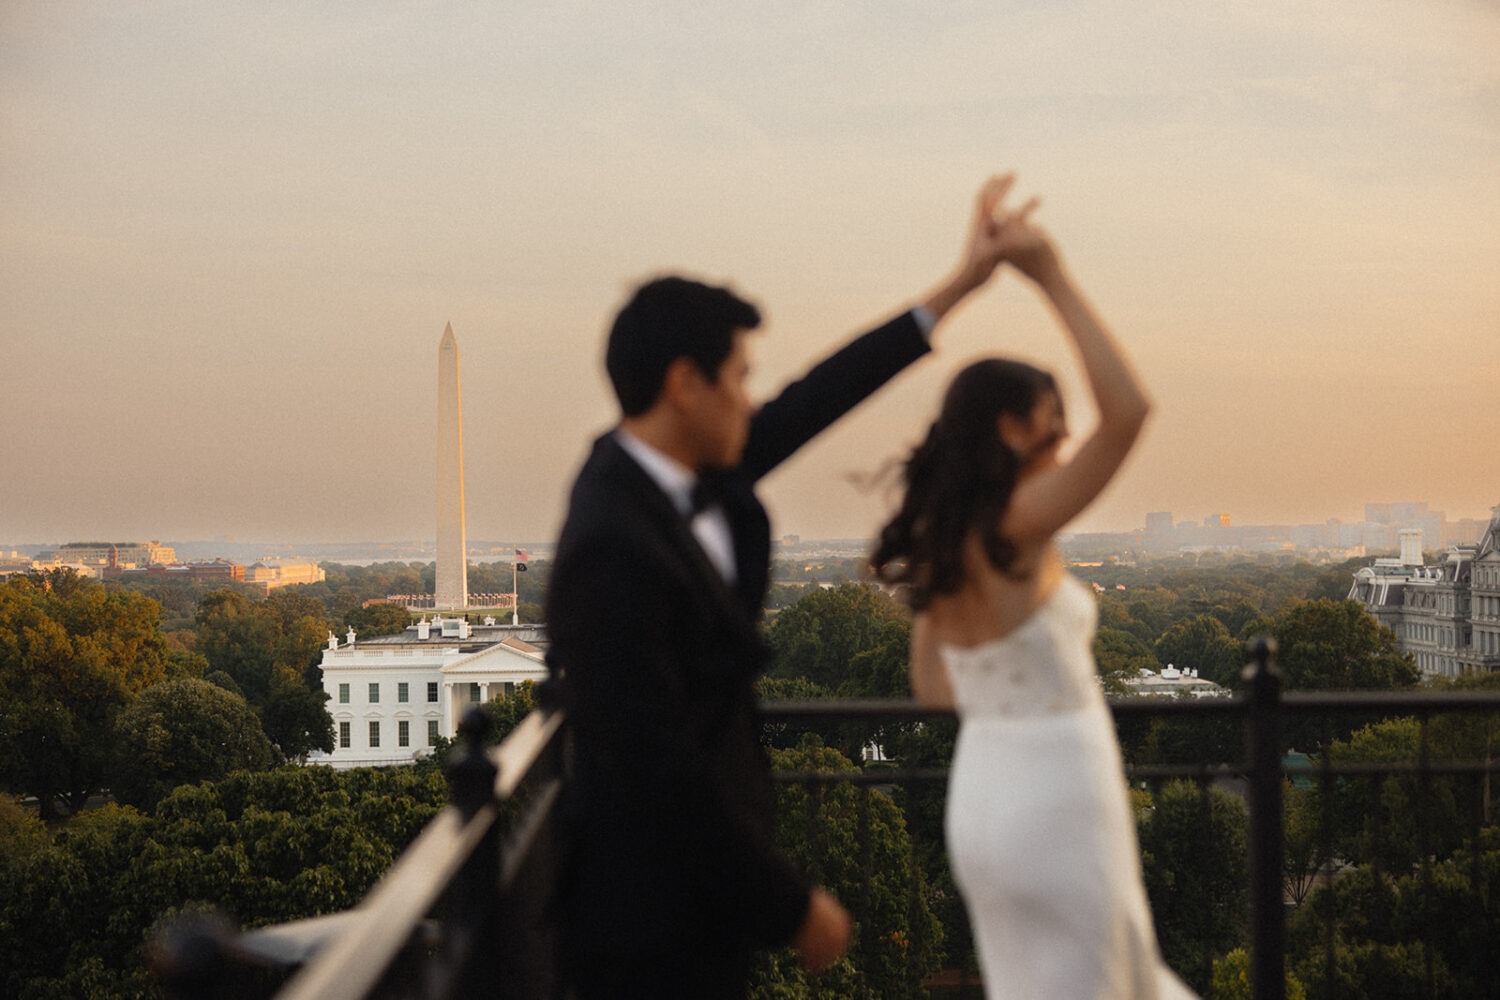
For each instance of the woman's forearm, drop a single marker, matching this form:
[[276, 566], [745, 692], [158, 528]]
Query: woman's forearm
[[1118, 392]]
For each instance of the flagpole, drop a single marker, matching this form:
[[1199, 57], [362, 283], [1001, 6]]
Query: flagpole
[[515, 591]]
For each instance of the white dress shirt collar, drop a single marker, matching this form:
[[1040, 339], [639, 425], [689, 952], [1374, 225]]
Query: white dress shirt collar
[[710, 526], [675, 479]]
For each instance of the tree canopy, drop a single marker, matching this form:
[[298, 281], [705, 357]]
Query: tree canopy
[[378, 619], [79, 901], [271, 650], [854, 841], [1205, 644], [180, 732], [72, 654], [851, 640], [87, 675], [1327, 645], [1195, 860]]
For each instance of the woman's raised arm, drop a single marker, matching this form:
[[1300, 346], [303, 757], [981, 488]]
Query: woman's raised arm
[[1046, 501]]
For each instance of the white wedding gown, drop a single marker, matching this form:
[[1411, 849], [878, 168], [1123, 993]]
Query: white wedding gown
[[1040, 831]]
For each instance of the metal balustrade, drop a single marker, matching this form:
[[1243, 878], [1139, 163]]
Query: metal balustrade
[[476, 875], [463, 911]]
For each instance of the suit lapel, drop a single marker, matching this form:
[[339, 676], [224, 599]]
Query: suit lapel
[[674, 530]]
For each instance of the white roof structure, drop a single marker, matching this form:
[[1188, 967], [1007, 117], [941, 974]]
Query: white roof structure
[[1174, 683]]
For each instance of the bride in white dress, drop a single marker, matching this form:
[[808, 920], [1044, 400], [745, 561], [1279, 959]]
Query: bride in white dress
[[1040, 831]]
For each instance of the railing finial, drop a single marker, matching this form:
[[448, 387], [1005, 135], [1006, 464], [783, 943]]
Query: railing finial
[[471, 773], [188, 957], [1262, 659]]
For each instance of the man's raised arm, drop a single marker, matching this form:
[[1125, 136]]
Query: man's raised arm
[[838, 383]]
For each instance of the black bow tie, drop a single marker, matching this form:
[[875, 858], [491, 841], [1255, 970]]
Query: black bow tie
[[710, 489]]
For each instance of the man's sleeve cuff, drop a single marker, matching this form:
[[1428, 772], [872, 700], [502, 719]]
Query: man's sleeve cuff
[[925, 321]]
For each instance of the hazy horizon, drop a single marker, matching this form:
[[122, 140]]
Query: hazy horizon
[[232, 237], [542, 543]]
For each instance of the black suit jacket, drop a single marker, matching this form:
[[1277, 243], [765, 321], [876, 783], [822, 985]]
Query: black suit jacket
[[669, 816]]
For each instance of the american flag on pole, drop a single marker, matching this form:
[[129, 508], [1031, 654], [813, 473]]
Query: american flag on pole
[[522, 558]]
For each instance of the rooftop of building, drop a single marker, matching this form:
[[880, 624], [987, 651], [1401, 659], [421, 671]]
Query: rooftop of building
[[1173, 681], [466, 636]]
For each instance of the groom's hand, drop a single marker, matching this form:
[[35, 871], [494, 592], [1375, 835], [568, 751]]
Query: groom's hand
[[824, 934]]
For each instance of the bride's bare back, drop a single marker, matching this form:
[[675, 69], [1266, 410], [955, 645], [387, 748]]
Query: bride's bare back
[[989, 605]]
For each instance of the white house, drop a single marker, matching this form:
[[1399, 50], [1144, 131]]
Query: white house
[[392, 696]]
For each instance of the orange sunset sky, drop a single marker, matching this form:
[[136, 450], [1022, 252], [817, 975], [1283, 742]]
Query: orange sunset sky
[[231, 235]]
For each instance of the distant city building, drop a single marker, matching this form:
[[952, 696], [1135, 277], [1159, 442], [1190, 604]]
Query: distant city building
[[216, 569], [209, 571], [1394, 513], [123, 555], [1159, 523], [1401, 516], [392, 696], [1464, 531], [23, 565], [267, 576], [1445, 614], [1332, 540]]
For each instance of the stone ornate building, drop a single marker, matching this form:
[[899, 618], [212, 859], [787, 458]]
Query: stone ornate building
[[1446, 614]]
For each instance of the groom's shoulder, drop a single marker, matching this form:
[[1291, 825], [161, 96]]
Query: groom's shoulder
[[607, 499], [604, 482]]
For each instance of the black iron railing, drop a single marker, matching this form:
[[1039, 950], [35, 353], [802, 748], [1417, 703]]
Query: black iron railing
[[476, 875], [1254, 767], [462, 912]]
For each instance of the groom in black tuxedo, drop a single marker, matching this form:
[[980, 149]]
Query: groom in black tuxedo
[[671, 874]]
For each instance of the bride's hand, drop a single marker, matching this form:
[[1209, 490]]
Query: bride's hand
[[1025, 245]]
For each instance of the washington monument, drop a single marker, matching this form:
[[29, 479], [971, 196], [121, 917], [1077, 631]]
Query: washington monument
[[451, 590]]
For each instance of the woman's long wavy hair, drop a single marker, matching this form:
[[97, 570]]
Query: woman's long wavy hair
[[959, 480]]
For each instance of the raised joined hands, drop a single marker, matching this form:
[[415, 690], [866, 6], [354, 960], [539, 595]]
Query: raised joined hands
[[997, 235], [1008, 235]]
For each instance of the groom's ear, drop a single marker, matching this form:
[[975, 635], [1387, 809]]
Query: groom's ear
[[679, 383]]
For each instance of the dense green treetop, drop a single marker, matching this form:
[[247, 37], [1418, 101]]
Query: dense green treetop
[[1327, 645], [1119, 654], [345, 588], [78, 902], [378, 619], [183, 731], [854, 841], [1170, 607], [851, 640], [72, 654], [271, 650], [294, 716], [1196, 863], [1205, 644]]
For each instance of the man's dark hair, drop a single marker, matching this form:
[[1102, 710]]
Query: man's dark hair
[[667, 319]]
